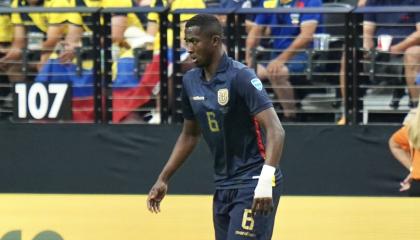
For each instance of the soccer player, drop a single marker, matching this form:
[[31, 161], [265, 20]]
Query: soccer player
[[225, 102]]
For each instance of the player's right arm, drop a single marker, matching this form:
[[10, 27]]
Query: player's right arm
[[185, 144]]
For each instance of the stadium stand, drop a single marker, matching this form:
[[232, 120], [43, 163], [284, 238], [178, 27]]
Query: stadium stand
[[318, 98]]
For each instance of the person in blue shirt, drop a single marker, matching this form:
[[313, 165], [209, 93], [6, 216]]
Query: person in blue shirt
[[237, 4], [289, 44], [405, 40], [224, 101]]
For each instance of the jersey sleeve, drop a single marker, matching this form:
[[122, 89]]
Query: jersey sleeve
[[6, 35], [312, 16], [187, 111], [152, 16], [16, 19], [75, 18], [250, 88], [400, 137], [58, 18], [117, 4], [370, 17], [263, 19]]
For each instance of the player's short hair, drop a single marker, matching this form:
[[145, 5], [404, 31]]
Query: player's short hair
[[207, 23]]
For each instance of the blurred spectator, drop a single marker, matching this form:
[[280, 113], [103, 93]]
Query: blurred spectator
[[405, 35], [236, 4], [119, 23], [142, 16], [29, 32], [289, 44], [153, 19], [6, 33], [6, 37], [412, 69], [153, 29], [405, 146], [64, 67]]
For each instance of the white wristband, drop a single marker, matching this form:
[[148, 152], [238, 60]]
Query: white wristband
[[264, 187]]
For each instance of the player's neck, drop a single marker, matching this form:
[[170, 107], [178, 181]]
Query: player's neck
[[210, 70]]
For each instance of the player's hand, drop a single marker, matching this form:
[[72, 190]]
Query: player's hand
[[156, 194], [66, 56], [263, 206], [263, 193], [275, 67], [406, 184]]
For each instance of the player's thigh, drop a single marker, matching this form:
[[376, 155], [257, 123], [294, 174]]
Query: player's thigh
[[221, 216], [243, 225]]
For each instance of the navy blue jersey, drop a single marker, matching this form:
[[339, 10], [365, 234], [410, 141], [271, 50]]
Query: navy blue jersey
[[225, 107], [386, 21]]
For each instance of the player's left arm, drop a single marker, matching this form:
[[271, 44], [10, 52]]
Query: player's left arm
[[275, 134], [269, 121], [252, 91]]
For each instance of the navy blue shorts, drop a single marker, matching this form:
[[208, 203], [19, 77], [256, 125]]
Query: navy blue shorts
[[232, 217]]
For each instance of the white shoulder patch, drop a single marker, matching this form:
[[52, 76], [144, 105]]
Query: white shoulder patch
[[257, 84]]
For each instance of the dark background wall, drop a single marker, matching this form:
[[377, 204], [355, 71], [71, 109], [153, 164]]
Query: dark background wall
[[317, 160]]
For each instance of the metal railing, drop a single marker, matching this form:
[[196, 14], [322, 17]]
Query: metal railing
[[321, 75]]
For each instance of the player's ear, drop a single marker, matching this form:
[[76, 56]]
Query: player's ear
[[215, 40]]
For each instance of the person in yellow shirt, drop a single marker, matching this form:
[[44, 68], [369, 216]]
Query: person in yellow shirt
[[29, 32], [81, 23], [6, 37], [153, 18], [153, 30], [6, 33]]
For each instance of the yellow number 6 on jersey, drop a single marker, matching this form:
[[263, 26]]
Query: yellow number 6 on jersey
[[213, 125]]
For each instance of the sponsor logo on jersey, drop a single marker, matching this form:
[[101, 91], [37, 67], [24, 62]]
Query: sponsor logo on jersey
[[257, 84], [198, 98], [223, 96]]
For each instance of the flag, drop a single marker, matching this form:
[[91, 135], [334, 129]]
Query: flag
[[82, 83], [130, 92]]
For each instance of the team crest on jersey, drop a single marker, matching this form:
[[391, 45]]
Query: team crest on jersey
[[223, 96], [257, 84]]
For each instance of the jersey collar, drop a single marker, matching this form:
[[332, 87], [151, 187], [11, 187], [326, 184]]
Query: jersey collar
[[223, 65]]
